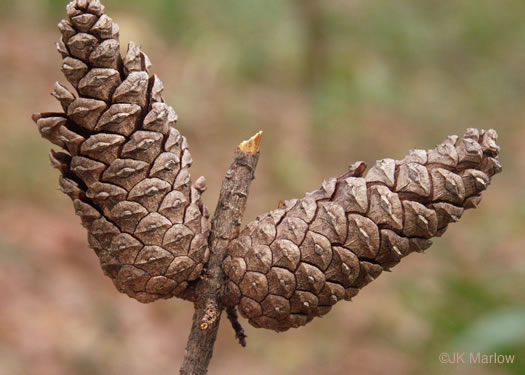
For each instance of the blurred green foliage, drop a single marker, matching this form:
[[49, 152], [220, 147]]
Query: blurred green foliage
[[468, 315]]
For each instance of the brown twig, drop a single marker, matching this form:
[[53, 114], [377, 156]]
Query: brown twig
[[236, 325], [225, 226]]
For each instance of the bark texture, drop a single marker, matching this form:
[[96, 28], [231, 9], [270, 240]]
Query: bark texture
[[124, 164], [225, 226], [293, 263]]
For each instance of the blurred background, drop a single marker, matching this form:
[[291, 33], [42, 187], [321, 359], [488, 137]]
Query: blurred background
[[329, 83]]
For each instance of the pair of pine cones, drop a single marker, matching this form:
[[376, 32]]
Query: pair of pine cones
[[126, 168]]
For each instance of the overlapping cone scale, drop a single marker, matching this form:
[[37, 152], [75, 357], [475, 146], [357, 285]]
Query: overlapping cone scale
[[293, 263], [124, 164]]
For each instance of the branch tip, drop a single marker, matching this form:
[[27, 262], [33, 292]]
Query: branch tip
[[251, 146]]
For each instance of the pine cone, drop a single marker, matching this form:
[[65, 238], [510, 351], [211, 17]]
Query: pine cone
[[293, 263], [125, 165]]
